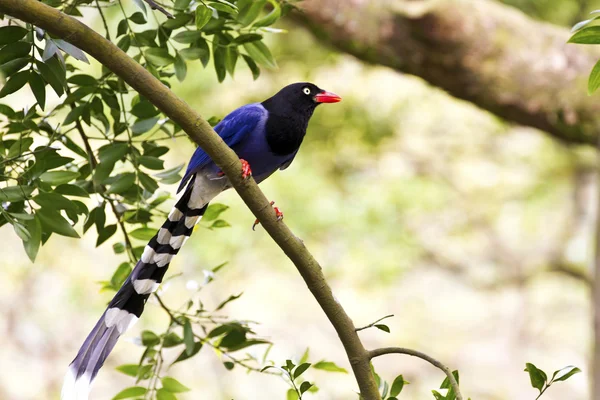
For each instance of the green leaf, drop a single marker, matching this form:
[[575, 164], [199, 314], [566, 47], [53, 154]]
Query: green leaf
[[451, 395], [120, 275], [144, 109], [13, 66], [291, 395], [192, 53], [171, 340], [150, 338], [589, 35], [147, 182], [105, 233], [231, 56], [188, 338], [537, 376], [83, 80], [32, 246], [565, 373], [163, 394], [19, 147], [138, 18], [250, 12], [261, 54], [119, 247], [159, 56], [151, 162], [10, 34], [143, 233], [122, 183], [14, 50], [594, 80], [111, 153], [50, 77], [71, 190], [184, 354], [129, 369], [253, 67], [188, 36], [21, 231], [213, 211], [177, 22], [226, 8], [247, 38], [56, 178], [38, 87], [171, 173], [300, 369], [220, 224], [203, 15], [173, 385], [305, 386], [383, 327], [397, 386], [182, 5], [52, 221], [14, 83], [15, 193], [74, 114], [102, 172], [270, 18], [143, 125], [180, 68], [329, 366], [55, 201], [134, 391]]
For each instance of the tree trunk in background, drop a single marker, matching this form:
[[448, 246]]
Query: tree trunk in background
[[484, 52], [478, 50]]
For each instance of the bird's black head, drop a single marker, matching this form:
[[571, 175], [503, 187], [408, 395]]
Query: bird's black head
[[289, 112], [301, 97]]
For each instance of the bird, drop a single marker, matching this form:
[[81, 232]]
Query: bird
[[266, 137]]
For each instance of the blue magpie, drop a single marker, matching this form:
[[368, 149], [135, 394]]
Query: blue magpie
[[264, 135]]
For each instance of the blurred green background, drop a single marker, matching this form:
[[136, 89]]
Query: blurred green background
[[416, 204]]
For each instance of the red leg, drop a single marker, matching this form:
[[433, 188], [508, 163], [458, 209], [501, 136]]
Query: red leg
[[278, 214], [246, 171]]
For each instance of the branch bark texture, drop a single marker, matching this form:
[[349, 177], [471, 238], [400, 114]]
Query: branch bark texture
[[478, 50], [200, 131]]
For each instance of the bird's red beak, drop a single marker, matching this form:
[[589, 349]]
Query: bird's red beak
[[327, 97]]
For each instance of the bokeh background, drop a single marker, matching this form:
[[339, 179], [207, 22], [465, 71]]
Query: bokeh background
[[415, 203]]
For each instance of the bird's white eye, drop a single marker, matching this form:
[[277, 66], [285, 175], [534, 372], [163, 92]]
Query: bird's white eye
[[306, 91]]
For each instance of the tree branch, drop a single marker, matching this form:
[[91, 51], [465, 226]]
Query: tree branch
[[75, 32], [153, 5], [477, 50], [415, 353]]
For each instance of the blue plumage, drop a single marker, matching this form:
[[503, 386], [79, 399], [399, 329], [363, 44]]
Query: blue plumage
[[267, 136]]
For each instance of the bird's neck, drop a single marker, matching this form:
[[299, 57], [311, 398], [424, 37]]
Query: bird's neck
[[285, 128]]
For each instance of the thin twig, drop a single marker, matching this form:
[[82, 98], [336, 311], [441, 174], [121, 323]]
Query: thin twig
[[400, 350], [373, 323], [155, 6]]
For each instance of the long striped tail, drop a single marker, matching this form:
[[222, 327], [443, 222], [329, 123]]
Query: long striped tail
[[128, 304]]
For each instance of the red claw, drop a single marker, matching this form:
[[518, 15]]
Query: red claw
[[246, 171], [278, 214]]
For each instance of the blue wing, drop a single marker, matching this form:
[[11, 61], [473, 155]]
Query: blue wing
[[232, 129]]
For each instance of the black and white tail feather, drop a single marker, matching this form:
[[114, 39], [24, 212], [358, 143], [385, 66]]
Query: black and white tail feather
[[128, 304]]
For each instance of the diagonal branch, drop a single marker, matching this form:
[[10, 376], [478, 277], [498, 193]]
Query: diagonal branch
[[155, 6], [69, 29], [415, 353]]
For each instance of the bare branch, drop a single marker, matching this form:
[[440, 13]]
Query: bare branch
[[373, 323], [153, 5], [400, 350]]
